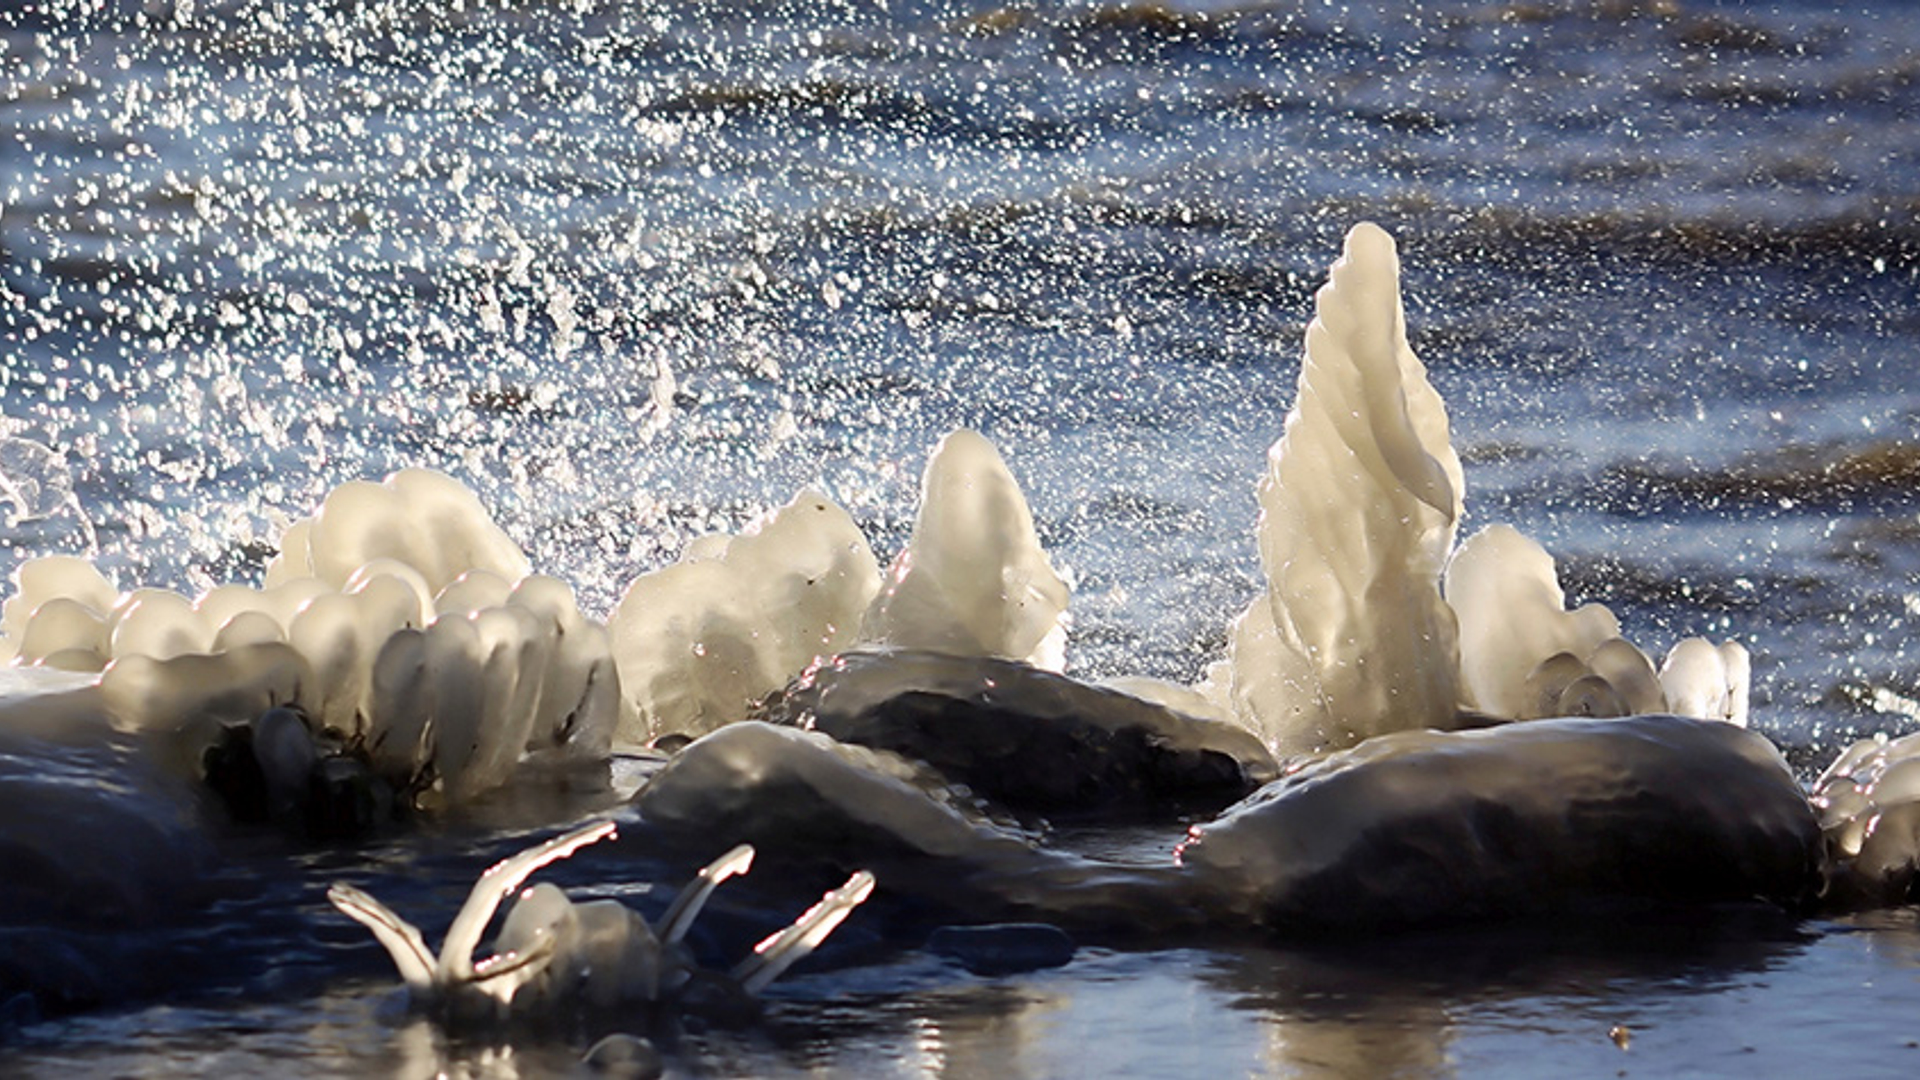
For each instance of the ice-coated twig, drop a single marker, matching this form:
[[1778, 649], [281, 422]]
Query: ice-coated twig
[[598, 952], [788, 947], [456, 954], [402, 939], [686, 906]]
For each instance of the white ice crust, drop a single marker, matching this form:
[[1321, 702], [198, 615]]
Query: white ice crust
[[700, 641]]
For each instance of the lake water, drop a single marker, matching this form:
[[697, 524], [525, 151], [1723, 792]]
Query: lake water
[[636, 272]]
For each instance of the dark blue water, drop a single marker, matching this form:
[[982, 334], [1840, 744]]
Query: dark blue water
[[636, 272]]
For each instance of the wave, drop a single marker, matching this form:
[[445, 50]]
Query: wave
[[1841, 477]]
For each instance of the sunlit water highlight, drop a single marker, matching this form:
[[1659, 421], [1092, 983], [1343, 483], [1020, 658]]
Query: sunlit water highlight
[[636, 273]]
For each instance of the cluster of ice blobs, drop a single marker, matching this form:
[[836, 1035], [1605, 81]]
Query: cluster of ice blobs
[[1869, 806], [699, 642], [401, 615], [1354, 635]]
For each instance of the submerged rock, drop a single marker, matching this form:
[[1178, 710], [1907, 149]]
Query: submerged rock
[[1003, 948], [1026, 738], [625, 1057], [1424, 827]]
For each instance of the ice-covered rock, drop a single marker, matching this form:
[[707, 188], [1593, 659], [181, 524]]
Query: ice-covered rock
[[1868, 801], [400, 619], [1424, 827], [1358, 509], [100, 836]]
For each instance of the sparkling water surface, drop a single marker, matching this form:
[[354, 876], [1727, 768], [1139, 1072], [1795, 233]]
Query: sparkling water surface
[[637, 271]]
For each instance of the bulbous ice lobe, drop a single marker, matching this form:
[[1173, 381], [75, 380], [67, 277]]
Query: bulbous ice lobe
[[1524, 656], [1422, 827], [1358, 509], [973, 580], [1869, 806], [77, 623], [421, 518], [699, 642]]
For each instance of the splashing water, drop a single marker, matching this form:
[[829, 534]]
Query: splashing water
[[636, 275]]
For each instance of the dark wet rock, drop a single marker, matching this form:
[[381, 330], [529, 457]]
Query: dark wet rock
[[21, 1010], [1004, 948], [1421, 827], [816, 809], [1027, 739], [276, 768], [97, 833], [790, 791]]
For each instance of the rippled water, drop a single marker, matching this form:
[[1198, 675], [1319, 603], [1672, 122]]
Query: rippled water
[[637, 271]]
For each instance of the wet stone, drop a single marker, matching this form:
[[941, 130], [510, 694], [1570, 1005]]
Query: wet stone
[[1005, 948], [1025, 738]]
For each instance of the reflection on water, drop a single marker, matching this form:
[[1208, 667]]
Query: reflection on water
[[1696, 994]]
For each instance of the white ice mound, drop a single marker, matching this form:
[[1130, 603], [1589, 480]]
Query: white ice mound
[[700, 641], [1358, 509], [1523, 656], [80, 599], [437, 653], [1513, 618], [421, 518], [973, 580], [1707, 680]]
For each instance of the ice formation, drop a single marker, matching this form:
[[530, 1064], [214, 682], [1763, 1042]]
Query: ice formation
[[399, 617], [1524, 656], [553, 953], [973, 580], [1353, 636], [402, 619], [1358, 509], [1869, 806], [417, 517], [700, 641]]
